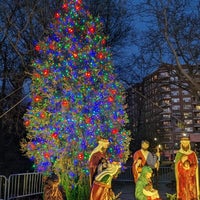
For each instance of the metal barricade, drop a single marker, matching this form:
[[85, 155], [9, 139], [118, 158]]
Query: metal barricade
[[3, 187], [23, 185], [125, 175], [164, 175], [29, 184]]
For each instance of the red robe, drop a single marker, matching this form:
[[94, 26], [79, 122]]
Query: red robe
[[187, 184], [149, 160], [101, 191], [101, 187], [136, 170]]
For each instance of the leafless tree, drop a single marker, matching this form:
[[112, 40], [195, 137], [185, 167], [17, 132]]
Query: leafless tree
[[22, 23], [171, 36]]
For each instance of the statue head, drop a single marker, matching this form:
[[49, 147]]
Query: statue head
[[145, 144], [103, 143], [185, 143]]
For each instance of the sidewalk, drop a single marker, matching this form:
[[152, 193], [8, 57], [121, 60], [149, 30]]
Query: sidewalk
[[128, 190]]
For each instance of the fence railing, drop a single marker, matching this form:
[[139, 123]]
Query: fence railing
[[163, 175], [166, 175], [3, 187], [21, 185], [29, 184]]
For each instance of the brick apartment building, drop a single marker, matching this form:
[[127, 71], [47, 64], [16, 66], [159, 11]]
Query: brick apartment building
[[162, 111]]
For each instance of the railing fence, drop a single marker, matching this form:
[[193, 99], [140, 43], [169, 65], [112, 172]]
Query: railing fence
[[3, 187], [29, 184], [164, 175], [21, 185]]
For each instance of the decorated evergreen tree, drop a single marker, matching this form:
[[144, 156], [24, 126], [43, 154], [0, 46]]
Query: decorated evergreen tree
[[75, 98]]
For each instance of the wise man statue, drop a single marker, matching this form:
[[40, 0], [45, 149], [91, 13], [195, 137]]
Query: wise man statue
[[186, 172]]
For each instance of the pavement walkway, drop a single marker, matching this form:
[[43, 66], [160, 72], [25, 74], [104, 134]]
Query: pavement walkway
[[128, 190]]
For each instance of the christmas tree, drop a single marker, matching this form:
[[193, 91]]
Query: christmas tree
[[75, 98]]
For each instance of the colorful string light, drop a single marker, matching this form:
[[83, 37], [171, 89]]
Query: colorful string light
[[75, 96]]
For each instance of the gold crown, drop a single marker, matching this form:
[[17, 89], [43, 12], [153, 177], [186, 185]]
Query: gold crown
[[102, 140], [185, 138]]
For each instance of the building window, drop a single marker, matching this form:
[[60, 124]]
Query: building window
[[167, 96], [175, 93], [186, 99], [166, 123], [185, 84], [177, 129], [187, 115], [175, 100], [166, 110], [166, 116], [165, 88], [167, 130], [174, 78], [164, 74], [174, 86], [198, 121], [165, 102], [188, 121], [197, 129], [185, 92], [155, 77], [197, 114], [176, 107], [197, 107], [186, 107], [189, 129]]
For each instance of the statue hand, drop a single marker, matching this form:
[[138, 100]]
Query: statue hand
[[184, 158]]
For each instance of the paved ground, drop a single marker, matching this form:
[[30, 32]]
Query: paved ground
[[128, 188]]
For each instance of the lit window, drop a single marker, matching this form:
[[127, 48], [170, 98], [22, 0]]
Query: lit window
[[185, 92], [174, 86], [189, 129], [187, 114], [164, 74], [186, 99], [176, 107], [187, 107], [167, 110], [188, 121], [198, 121], [166, 123], [175, 93], [166, 116], [174, 78], [175, 100], [198, 107]]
